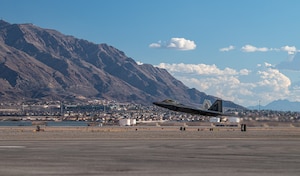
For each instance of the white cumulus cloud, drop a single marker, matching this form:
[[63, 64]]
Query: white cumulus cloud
[[229, 48], [199, 69], [250, 48], [243, 86], [155, 45], [175, 43], [245, 72], [289, 49], [274, 80]]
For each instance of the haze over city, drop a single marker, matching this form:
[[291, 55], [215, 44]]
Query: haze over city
[[243, 51]]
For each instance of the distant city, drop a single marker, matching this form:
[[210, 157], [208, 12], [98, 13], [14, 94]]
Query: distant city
[[103, 112]]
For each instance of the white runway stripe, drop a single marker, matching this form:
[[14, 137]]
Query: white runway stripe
[[11, 147]]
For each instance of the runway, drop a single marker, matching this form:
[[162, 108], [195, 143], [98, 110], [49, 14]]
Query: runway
[[149, 152]]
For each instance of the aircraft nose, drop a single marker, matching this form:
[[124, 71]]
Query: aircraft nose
[[155, 103]]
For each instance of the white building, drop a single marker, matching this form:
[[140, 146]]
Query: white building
[[127, 122]]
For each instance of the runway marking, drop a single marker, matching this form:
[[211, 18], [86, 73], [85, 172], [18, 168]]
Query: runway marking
[[12, 147]]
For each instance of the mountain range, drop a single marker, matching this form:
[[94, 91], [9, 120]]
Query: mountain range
[[279, 105], [44, 64]]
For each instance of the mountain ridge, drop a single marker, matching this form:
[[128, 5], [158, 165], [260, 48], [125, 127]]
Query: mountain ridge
[[279, 105], [39, 63]]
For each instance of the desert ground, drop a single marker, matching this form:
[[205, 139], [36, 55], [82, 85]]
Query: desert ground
[[149, 150]]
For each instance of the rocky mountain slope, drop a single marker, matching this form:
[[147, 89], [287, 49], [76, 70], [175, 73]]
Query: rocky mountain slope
[[37, 63]]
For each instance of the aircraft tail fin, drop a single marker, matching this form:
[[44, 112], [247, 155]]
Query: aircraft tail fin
[[217, 106]]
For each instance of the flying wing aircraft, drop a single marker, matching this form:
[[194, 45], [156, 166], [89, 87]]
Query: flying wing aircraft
[[215, 110]]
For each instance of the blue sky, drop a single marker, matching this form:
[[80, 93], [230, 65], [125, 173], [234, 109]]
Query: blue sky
[[244, 51]]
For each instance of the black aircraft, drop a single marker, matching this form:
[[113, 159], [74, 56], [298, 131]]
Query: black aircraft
[[215, 110]]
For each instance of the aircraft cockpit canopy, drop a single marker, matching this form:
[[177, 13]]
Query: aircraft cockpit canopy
[[170, 101]]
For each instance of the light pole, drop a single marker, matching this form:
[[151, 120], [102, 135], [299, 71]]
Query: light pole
[[62, 103]]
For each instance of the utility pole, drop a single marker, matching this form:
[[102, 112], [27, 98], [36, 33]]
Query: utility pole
[[259, 107]]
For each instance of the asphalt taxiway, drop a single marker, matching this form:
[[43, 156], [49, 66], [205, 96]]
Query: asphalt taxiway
[[149, 152]]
